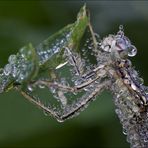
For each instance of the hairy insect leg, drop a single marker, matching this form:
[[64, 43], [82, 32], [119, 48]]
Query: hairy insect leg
[[77, 60], [83, 102], [39, 104], [64, 87], [69, 111], [95, 38], [49, 84], [99, 73], [93, 35]]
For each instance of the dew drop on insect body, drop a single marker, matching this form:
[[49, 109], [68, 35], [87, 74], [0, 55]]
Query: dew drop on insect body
[[132, 51], [141, 81], [133, 86], [145, 139], [60, 120], [124, 131], [53, 90], [121, 30]]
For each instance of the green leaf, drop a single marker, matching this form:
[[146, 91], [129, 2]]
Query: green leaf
[[50, 51]]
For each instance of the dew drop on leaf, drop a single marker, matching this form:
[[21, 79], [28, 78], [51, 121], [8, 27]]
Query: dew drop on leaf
[[7, 69], [1, 71], [12, 59]]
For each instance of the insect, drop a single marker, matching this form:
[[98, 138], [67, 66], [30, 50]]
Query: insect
[[73, 72]]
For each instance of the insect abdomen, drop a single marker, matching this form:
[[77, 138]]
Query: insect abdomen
[[134, 121]]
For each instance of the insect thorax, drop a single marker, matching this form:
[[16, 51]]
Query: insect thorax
[[119, 48]]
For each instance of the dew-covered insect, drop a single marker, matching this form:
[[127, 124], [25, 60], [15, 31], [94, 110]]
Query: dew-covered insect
[[67, 71]]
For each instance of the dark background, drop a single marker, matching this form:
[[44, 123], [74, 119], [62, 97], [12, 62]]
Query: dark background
[[21, 22]]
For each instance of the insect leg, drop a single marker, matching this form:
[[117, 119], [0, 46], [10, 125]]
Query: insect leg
[[99, 72], [69, 111], [80, 104], [64, 87], [39, 104]]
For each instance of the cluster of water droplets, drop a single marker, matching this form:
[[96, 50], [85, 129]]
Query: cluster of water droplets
[[91, 49], [138, 83], [18, 68], [52, 46], [124, 43], [4, 80], [77, 73], [22, 65], [80, 65]]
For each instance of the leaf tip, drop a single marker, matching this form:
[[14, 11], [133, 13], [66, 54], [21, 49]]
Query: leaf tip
[[82, 13]]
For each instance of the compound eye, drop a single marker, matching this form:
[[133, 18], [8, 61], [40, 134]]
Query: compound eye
[[121, 44], [132, 51]]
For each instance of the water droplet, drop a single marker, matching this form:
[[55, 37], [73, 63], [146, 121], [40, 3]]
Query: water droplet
[[41, 86], [141, 81], [132, 51], [145, 139], [1, 71], [86, 89], [53, 90], [92, 53], [60, 120], [21, 77], [124, 131], [89, 47], [7, 69], [133, 86], [12, 59], [45, 113], [121, 27], [75, 93], [121, 31], [77, 82], [30, 88], [14, 71]]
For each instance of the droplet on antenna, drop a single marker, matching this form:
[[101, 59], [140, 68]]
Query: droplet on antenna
[[121, 30]]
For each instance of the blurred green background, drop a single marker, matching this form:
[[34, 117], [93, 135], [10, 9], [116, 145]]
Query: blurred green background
[[21, 123]]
